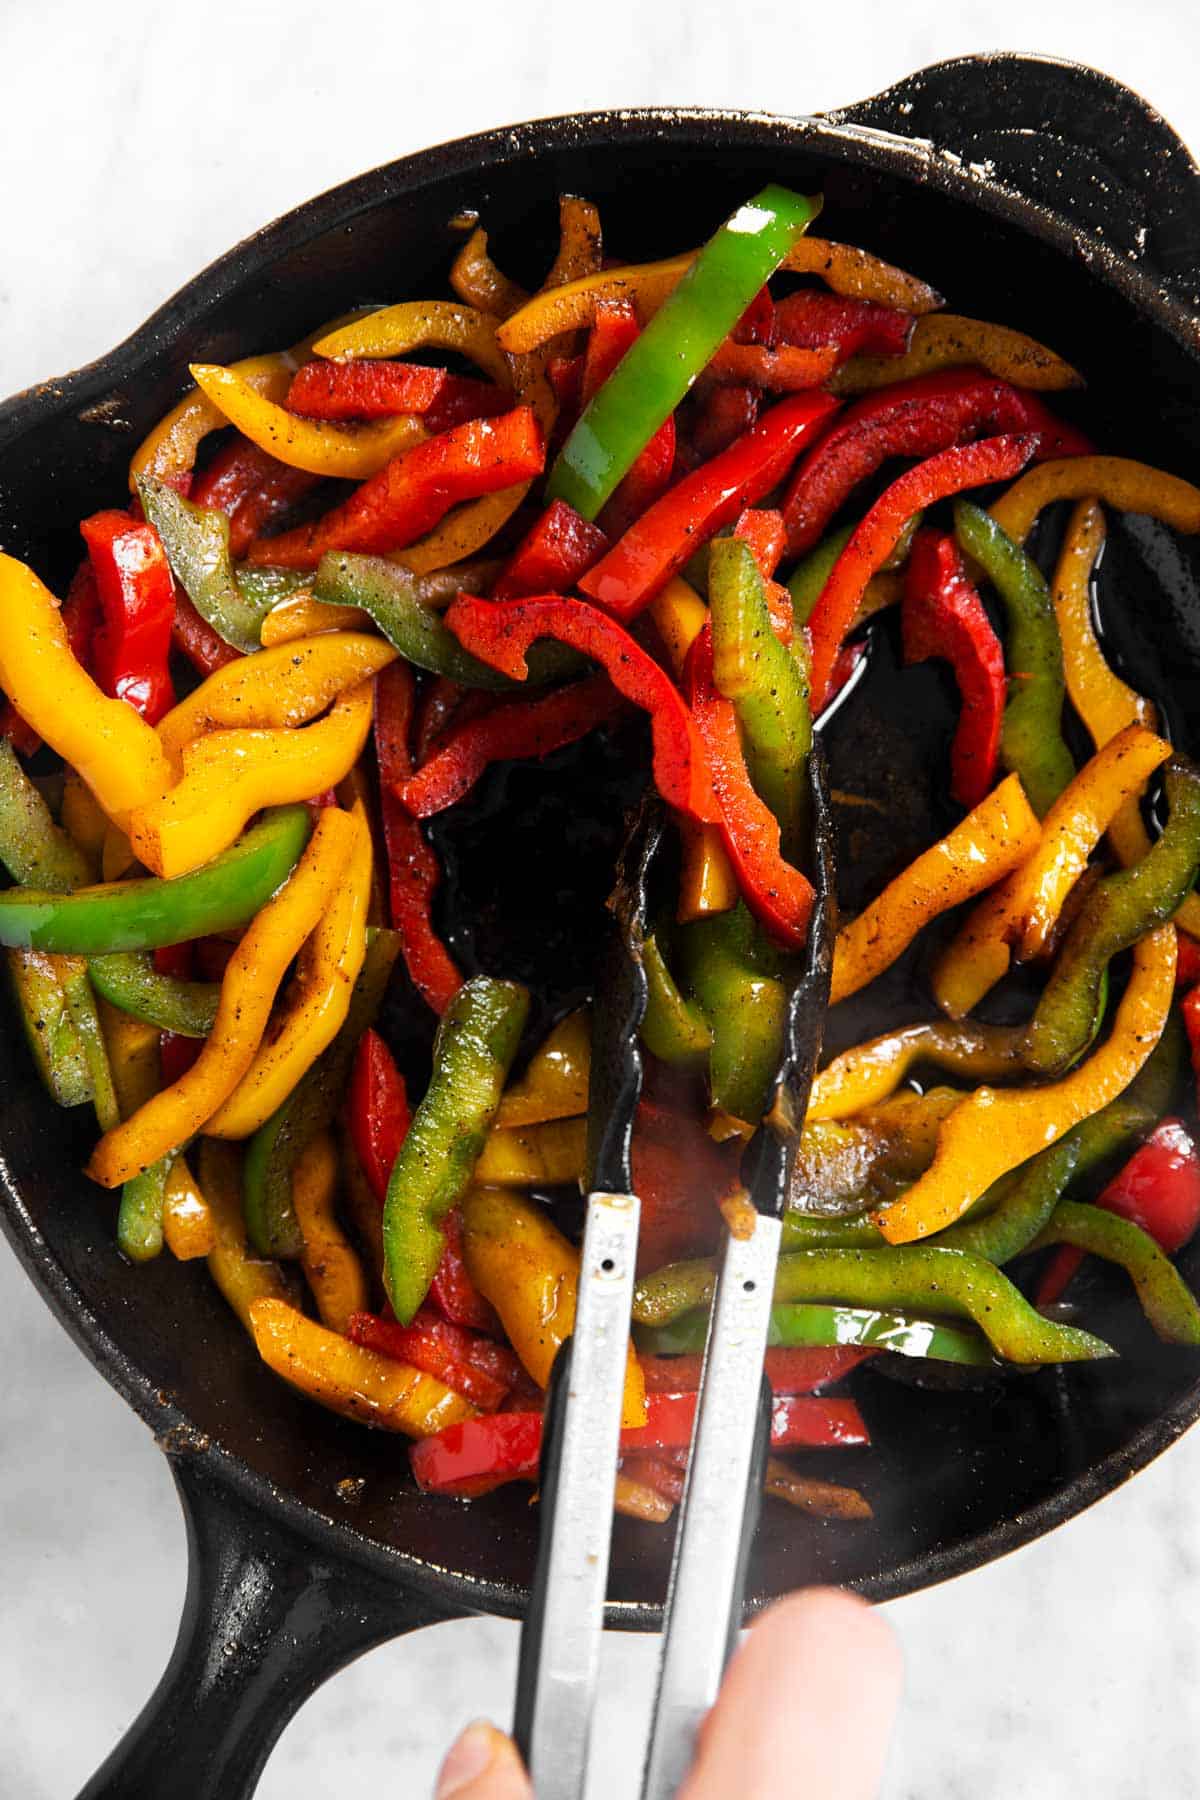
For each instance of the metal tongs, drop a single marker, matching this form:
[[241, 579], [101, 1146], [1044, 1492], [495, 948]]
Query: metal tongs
[[560, 1643]]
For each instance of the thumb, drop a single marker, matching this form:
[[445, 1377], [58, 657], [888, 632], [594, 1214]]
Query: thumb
[[483, 1764]]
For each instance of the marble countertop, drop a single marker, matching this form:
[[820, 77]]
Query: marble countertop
[[134, 151]]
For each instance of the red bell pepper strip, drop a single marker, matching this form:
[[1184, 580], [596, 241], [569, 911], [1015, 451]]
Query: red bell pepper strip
[[721, 413], [764, 533], [615, 329], [812, 319], [377, 1111], [788, 369], [81, 616], [250, 485], [500, 633], [1190, 1008], [666, 1477], [680, 1174], [213, 956], [510, 730], [912, 418], [789, 1371], [441, 702], [659, 544], [942, 615], [453, 1292], [195, 637], [565, 374], [779, 895], [1187, 961], [480, 1370], [553, 554], [380, 390], [1158, 1189], [176, 1053], [137, 601], [413, 869], [757, 323], [415, 489], [480, 1454], [875, 536]]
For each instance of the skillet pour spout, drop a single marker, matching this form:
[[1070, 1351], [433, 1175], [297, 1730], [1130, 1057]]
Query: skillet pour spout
[[1031, 191]]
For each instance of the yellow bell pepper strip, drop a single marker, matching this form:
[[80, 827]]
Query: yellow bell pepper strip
[[1023, 911], [189, 1231], [871, 1071], [1167, 1301], [345, 452], [84, 819], [117, 857], [580, 242], [113, 749], [300, 616], [278, 688], [945, 341], [529, 1271], [132, 1046], [49, 1029], [317, 1003], [170, 449], [229, 775], [555, 1082], [1127, 486], [479, 283], [241, 1276], [421, 324], [991, 1132], [1000, 833], [329, 1261], [360, 1384], [545, 1155], [254, 972]]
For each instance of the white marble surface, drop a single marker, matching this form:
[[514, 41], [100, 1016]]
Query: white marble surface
[[1067, 1668]]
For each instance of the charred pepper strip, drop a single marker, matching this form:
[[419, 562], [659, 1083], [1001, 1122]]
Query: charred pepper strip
[[1166, 1299], [1119, 911], [659, 368], [476, 1044], [946, 341], [805, 1324], [128, 979], [944, 616]]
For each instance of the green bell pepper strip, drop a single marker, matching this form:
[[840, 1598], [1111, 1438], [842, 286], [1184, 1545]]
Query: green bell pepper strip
[[804, 1326], [144, 914], [49, 1028], [813, 571], [766, 683], [660, 366], [129, 980], [310, 1108], [81, 1004], [813, 1231], [476, 1043], [1118, 911], [388, 594], [140, 1216], [745, 1005], [32, 847], [1026, 1201], [1166, 1299], [673, 1028], [1031, 740], [904, 1276], [196, 540], [1116, 1130]]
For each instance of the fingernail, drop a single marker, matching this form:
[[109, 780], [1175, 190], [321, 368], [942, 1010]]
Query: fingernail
[[470, 1755]]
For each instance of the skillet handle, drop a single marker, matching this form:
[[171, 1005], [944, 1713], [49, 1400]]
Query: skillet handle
[[267, 1618], [1067, 137]]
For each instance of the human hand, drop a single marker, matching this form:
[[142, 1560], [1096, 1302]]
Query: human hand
[[806, 1707]]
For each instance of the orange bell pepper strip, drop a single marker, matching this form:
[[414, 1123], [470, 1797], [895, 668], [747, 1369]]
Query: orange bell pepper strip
[[115, 751], [330, 1262], [530, 1272], [991, 1132], [318, 1002], [254, 972], [1128, 486], [1022, 912], [285, 686], [241, 1275], [479, 283], [872, 1071], [189, 1230], [945, 341], [348, 1379], [230, 775], [555, 1082], [351, 453], [990, 842]]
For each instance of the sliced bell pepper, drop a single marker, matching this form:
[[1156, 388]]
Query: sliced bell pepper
[[1016, 1208], [812, 319], [552, 555], [377, 1111], [1119, 910], [1023, 911], [501, 632], [679, 1173], [745, 1005], [715, 419], [614, 331], [318, 998], [415, 489], [196, 541], [330, 1262], [129, 980], [857, 1331], [482, 1371], [780, 369], [195, 638], [875, 537], [452, 1290], [656, 547], [141, 914], [348, 1379], [380, 390], [319, 448], [476, 279], [545, 1155], [255, 970], [250, 487], [915, 418], [1129, 486], [229, 775], [50, 1031], [1166, 1299], [946, 341], [81, 616], [476, 1044], [530, 1273], [796, 1370], [241, 1276], [116, 752], [673, 1028], [137, 603], [991, 1132], [580, 242], [511, 730], [555, 1082], [413, 869], [32, 847], [1000, 833], [871, 1071], [169, 451], [189, 1230], [943, 616]]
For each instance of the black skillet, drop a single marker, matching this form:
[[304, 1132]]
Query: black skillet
[[1032, 192]]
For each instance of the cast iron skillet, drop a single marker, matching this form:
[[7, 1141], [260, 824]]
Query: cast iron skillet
[[1032, 192]]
